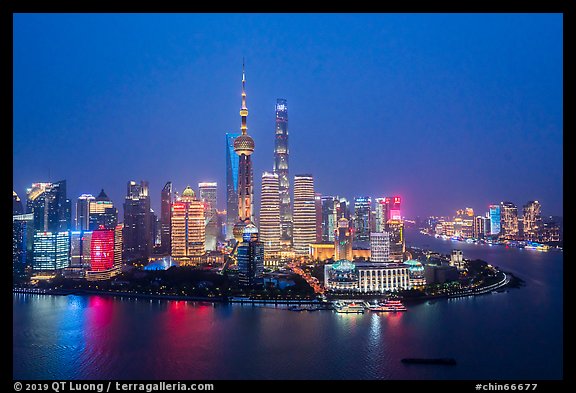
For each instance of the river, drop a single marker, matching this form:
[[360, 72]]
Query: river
[[510, 335]]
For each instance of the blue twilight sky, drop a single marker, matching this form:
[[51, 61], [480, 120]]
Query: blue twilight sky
[[445, 110]]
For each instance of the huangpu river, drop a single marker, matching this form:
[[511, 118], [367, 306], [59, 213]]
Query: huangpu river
[[516, 335]]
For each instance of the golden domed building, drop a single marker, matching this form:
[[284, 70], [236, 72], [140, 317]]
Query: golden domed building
[[188, 230]]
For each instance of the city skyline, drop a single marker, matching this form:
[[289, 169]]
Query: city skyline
[[525, 144]]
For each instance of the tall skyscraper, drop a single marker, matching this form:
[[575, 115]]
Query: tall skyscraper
[[244, 147], [281, 155], [48, 240], [394, 212], [509, 221], [82, 219], [382, 213], [118, 247], [20, 224], [166, 200], [304, 227], [532, 220], [51, 209], [22, 233], [380, 247], [250, 257], [362, 207], [343, 241], [478, 229], [154, 229], [35, 204], [494, 220], [208, 192], [188, 227], [318, 208], [59, 208], [232, 162], [270, 223], [397, 240], [102, 212], [137, 232], [329, 217]]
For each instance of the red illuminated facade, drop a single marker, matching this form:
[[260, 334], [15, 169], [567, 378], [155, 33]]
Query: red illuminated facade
[[395, 208], [102, 250]]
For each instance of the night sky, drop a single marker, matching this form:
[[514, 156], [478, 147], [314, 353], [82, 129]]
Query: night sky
[[447, 111]]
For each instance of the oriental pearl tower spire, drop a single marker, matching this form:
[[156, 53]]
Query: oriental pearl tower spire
[[244, 147]]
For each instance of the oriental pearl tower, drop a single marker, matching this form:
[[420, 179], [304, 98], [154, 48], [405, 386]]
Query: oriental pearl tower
[[244, 147]]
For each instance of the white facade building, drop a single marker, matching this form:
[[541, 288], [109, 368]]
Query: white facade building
[[380, 247]]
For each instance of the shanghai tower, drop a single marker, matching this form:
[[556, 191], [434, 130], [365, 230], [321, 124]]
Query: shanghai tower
[[281, 168], [244, 147]]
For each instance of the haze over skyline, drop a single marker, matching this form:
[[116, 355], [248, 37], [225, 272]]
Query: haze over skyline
[[445, 110]]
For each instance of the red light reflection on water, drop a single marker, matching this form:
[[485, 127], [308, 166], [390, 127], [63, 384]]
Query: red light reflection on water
[[99, 312]]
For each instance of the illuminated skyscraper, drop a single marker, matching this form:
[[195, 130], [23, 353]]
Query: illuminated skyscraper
[[244, 147], [509, 221], [382, 212], [532, 221], [118, 247], [494, 220], [270, 229], [166, 200], [478, 229], [380, 247], [318, 208], [59, 208], [232, 161], [20, 224], [82, 219], [362, 206], [304, 227], [281, 155], [137, 233], [394, 211], [208, 192], [250, 257], [397, 240], [329, 217], [342, 240], [102, 212], [51, 251], [188, 227], [22, 233], [102, 250], [52, 210]]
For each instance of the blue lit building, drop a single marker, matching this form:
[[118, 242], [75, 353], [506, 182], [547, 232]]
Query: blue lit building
[[362, 206], [250, 258], [232, 162], [51, 251], [495, 225]]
